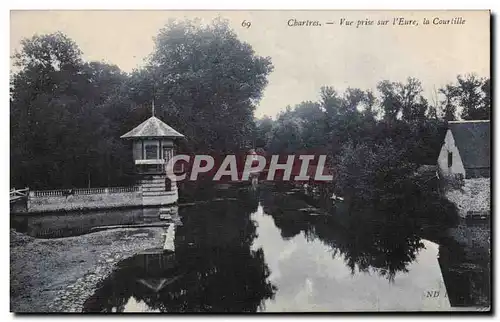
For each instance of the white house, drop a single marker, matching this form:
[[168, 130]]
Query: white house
[[464, 166], [466, 150]]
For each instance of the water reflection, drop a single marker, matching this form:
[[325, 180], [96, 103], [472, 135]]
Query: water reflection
[[385, 246], [265, 251], [466, 269], [74, 223], [213, 268]]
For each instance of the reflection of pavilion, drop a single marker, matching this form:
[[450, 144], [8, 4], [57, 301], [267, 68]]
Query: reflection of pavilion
[[154, 261], [138, 283], [152, 265], [212, 268], [157, 284]]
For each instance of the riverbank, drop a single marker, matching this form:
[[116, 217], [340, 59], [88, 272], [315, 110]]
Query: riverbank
[[58, 275]]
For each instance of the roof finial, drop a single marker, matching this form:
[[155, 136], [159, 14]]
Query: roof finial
[[153, 107]]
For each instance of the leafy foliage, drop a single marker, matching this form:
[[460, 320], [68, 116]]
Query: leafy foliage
[[67, 114], [373, 174], [376, 141], [470, 95], [206, 83]]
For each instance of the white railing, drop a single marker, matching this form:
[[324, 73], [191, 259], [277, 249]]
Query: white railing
[[47, 193], [123, 189], [87, 191], [83, 191]]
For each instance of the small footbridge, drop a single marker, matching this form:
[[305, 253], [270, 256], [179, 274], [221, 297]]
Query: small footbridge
[[18, 199], [18, 194]]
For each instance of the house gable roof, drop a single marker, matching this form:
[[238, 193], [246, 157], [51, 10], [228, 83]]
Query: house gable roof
[[152, 128], [472, 139]]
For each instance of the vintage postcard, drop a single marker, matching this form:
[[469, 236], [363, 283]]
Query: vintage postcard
[[250, 161]]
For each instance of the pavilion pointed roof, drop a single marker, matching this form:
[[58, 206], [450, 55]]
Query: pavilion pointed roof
[[153, 127]]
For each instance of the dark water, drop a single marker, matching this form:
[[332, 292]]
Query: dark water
[[74, 223], [273, 252], [78, 223]]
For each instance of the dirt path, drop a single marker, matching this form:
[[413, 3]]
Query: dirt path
[[58, 275]]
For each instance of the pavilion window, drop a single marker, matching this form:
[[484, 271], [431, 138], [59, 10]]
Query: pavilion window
[[151, 152], [450, 159]]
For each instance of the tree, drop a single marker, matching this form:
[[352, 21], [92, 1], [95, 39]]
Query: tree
[[471, 94], [263, 129], [286, 134], [61, 131], [67, 115], [330, 102], [41, 94], [413, 105], [303, 127], [486, 103], [448, 106], [353, 98], [471, 97], [372, 173], [206, 82], [313, 124], [48, 53], [370, 111], [389, 100], [402, 100]]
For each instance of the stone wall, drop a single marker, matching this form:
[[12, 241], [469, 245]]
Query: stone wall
[[473, 235], [161, 199], [154, 191], [472, 196], [82, 199]]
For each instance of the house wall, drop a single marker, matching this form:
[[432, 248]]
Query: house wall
[[457, 165], [468, 194]]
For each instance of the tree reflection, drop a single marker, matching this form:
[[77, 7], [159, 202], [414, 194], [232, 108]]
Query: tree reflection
[[466, 266], [386, 248], [384, 241], [288, 213], [213, 268]]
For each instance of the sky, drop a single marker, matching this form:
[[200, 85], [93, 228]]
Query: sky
[[304, 57]]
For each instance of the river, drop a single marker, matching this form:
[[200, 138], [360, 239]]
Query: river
[[272, 252]]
